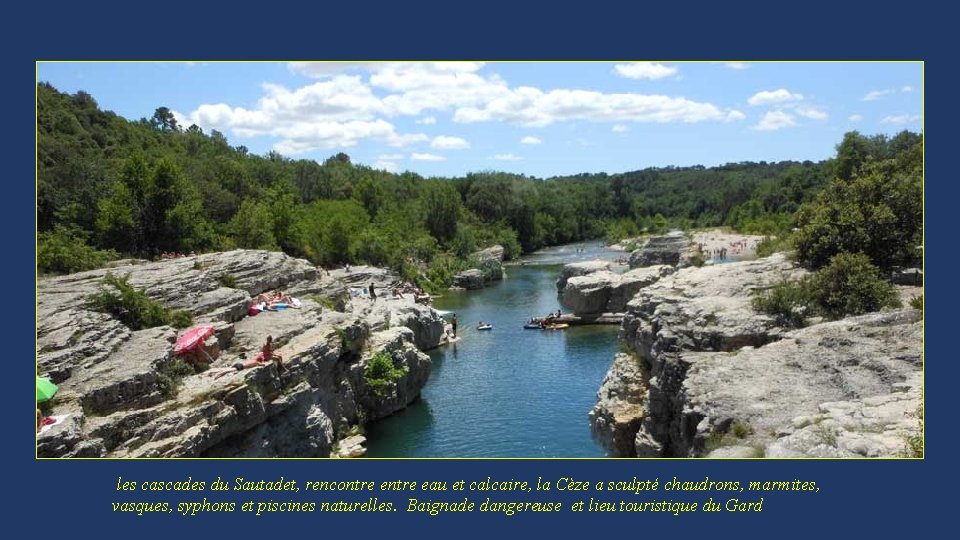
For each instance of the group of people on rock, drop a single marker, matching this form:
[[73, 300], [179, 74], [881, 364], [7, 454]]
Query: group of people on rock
[[551, 318], [273, 301], [167, 255]]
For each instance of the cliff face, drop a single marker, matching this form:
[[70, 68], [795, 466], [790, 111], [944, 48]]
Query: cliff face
[[125, 395], [711, 377]]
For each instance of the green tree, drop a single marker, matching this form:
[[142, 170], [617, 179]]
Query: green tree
[[441, 209], [252, 226], [163, 120]]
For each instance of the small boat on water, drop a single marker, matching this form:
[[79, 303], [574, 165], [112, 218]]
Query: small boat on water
[[531, 326], [560, 326], [485, 327]]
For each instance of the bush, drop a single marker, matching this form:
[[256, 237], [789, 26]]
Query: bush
[[851, 285], [774, 244], [917, 302], [381, 373], [132, 307], [228, 280], [170, 376], [65, 251], [790, 302]]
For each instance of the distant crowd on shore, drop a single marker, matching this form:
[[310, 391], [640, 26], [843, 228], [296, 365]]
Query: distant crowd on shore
[[166, 255]]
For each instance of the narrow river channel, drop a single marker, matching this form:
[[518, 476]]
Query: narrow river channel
[[507, 392]]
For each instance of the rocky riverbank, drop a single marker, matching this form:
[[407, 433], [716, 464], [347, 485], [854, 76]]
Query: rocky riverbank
[[488, 266], [125, 395], [706, 375]]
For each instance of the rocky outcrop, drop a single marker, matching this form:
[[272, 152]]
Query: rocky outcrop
[[579, 269], [490, 262], [837, 389], [398, 344], [607, 292], [719, 379], [616, 417], [469, 279], [873, 426], [125, 394], [488, 267], [673, 248]]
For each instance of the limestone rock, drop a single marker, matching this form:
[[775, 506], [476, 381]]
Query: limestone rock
[[725, 381], [666, 249], [351, 447], [849, 373], [469, 279], [490, 262], [398, 344], [616, 417], [580, 269], [127, 398], [606, 292]]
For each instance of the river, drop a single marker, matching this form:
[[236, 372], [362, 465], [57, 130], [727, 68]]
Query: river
[[507, 392]]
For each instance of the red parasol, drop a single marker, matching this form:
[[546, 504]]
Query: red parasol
[[192, 338]]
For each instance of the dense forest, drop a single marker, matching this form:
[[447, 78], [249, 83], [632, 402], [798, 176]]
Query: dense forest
[[109, 188]]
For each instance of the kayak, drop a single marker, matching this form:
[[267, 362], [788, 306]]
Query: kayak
[[530, 326], [485, 327], [560, 326]]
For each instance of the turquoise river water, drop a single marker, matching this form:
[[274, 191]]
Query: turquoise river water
[[508, 392]]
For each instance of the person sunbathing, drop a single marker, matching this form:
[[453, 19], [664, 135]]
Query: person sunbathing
[[266, 354]]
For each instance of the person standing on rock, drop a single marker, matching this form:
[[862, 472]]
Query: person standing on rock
[[373, 293], [453, 323]]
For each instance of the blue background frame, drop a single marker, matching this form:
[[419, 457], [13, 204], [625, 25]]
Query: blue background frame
[[882, 498]]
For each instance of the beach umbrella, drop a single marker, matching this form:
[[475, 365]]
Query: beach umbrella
[[45, 389], [193, 338]]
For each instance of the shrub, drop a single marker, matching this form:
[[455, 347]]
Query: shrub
[[917, 302], [851, 285], [228, 280], [381, 373], [774, 244], [170, 376], [790, 302], [914, 443], [65, 251], [133, 307]]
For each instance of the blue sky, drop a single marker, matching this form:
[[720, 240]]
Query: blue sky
[[537, 118]]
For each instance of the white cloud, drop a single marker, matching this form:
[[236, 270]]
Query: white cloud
[[342, 107], [529, 139], [900, 119], [734, 116], [812, 113], [426, 157], [419, 86], [406, 139], [390, 157], [620, 128], [506, 157], [389, 166], [449, 143], [774, 120], [874, 95], [770, 97], [737, 65], [644, 70], [907, 89], [528, 106], [319, 70], [333, 113], [855, 117]]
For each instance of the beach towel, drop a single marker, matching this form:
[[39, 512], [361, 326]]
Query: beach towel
[[50, 421]]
